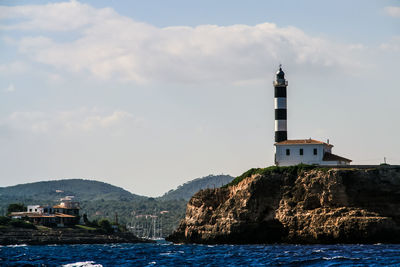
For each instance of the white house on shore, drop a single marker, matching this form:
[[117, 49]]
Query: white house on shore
[[64, 214], [293, 152]]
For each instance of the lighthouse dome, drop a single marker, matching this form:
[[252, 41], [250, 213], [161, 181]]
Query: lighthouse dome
[[280, 74]]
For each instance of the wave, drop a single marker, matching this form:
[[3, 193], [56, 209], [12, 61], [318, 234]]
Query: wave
[[82, 264], [16, 246]]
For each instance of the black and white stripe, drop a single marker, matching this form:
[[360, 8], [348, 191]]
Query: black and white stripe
[[280, 85]]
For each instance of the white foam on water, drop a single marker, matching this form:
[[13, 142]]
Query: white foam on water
[[82, 264], [16, 246], [166, 253]]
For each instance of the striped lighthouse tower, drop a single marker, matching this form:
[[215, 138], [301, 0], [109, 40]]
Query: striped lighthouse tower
[[280, 85]]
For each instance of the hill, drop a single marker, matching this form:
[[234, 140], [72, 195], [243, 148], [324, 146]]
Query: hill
[[188, 189], [53, 190], [101, 200]]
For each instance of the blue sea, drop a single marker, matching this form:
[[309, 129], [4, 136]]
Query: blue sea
[[167, 254]]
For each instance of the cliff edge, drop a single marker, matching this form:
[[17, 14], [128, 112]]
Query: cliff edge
[[298, 204]]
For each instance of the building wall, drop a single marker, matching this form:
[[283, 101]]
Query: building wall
[[48, 210], [34, 208], [295, 158], [335, 163]]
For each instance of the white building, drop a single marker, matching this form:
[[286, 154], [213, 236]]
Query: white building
[[293, 152], [306, 151], [34, 209]]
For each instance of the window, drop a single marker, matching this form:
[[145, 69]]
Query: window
[[301, 152], [315, 151], [287, 152]]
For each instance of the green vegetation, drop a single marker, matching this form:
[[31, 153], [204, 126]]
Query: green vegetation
[[292, 170], [54, 190], [43, 228], [16, 207], [6, 221], [21, 223], [84, 227], [187, 190], [127, 211], [103, 201], [105, 225]]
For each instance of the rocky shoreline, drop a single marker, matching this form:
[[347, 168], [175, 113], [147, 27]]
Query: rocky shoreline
[[289, 205], [61, 236]]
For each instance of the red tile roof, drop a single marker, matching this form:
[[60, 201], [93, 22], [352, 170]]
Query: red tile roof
[[52, 215], [42, 216], [64, 215], [333, 157], [64, 207], [302, 142]]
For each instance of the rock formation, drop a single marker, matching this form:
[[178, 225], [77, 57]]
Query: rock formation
[[293, 205], [17, 236]]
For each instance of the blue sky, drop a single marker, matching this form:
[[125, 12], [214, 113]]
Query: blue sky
[[150, 94]]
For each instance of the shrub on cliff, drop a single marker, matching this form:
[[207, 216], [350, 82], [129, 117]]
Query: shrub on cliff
[[105, 225], [4, 220], [21, 224], [16, 223], [293, 170]]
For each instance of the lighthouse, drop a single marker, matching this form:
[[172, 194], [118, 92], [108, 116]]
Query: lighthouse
[[280, 85], [293, 152]]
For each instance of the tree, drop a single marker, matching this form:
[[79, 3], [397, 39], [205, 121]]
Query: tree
[[16, 207], [106, 226], [85, 219], [4, 220]]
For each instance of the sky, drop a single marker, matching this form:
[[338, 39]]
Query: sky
[[147, 95]]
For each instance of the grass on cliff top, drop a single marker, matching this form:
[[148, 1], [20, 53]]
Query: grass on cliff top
[[43, 228], [294, 170], [85, 227]]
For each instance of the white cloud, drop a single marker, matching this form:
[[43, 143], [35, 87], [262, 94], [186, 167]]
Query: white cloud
[[15, 67], [77, 121], [391, 46], [111, 46], [10, 88], [66, 16], [393, 11]]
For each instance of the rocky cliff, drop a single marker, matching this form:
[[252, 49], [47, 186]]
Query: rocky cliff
[[297, 205]]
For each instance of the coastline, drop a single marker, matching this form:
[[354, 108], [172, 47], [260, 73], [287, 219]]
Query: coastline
[[63, 236]]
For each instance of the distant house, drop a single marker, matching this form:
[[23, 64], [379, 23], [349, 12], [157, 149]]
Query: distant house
[[67, 206], [64, 214]]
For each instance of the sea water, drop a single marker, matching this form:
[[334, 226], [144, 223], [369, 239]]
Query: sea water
[[167, 254]]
